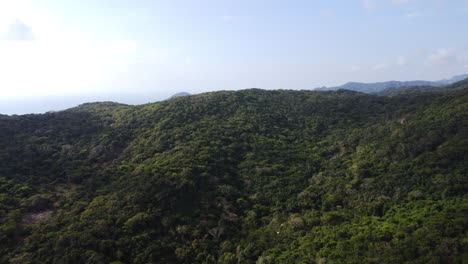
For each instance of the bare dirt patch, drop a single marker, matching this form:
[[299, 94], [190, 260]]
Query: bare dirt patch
[[32, 218]]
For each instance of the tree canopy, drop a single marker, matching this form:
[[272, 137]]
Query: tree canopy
[[251, 176]]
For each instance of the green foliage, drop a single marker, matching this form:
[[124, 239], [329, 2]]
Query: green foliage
[[251, 176]]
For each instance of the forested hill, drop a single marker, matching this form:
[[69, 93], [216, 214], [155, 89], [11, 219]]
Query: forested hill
[[424, 89], [252, 176]]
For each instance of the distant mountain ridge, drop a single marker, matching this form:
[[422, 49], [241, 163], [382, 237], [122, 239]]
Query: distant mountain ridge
[[423, 89], [380, 86], [454, 79]]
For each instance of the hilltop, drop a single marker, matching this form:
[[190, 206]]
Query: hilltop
[[179, 95]]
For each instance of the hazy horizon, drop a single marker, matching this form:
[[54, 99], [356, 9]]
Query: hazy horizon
[[20, 105]]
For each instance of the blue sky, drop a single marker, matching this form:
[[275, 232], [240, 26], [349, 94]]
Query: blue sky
[[157, 48]]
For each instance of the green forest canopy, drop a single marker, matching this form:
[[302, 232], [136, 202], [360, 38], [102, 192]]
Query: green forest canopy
[[251, 176]]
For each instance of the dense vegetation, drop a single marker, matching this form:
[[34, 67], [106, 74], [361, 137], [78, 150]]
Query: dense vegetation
[[251, 176]]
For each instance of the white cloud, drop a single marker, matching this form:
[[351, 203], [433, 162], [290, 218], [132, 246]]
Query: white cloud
[[379, 66], [414, 14], [399, 1], [401, 61], [440, 3], [122, 48], [61, 60], [355, 68], [30, 68], [327, 13], [68, 66], [370, 5], [442, 56], [17, 31]]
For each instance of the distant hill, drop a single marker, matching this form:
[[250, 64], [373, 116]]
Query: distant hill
[[454, 79], [424, 89], [179, 95], [380, 86]]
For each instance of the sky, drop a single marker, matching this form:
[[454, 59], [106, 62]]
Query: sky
[[139, 51]]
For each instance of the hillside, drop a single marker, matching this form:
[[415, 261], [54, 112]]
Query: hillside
[[251, 176], [379, 87]]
